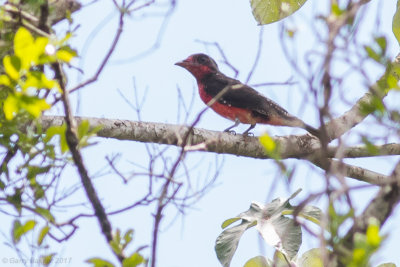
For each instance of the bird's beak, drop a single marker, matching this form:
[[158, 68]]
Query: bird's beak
[[183, 63]]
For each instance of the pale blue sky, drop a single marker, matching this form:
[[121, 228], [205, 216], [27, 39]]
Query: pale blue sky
[[189, 240]]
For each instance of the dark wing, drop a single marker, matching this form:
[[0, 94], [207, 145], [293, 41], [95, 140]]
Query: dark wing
[[242, 96]]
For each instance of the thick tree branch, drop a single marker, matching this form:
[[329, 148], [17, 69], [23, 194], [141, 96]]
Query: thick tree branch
[[72, 141], [379, 208], [355, 172], [293, 146], [338, 126], [364, 151], [219, 142]]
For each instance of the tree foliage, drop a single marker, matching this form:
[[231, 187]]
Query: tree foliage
[[36, 149]]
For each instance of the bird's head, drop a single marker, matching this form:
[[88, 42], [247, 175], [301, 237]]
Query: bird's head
[[199, 65]]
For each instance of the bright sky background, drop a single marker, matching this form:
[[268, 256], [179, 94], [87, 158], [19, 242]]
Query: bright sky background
[[189, 240]]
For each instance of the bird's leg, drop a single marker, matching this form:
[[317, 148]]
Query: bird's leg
[[248, 130], [237, 122]]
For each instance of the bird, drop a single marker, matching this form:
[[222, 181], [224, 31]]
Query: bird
[[237, 101]]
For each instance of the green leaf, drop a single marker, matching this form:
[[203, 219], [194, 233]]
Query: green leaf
[[276, 229], [65, 39], [22, 40], [65, 54], [16, 199], [282, 233], [268, 143], [228, 241], [19, 230], [259, 261], [83, 128], [45, 213], [128, 236], [47, 259], [372, 53], [97, 262], [389, 264], [133, 260], [268, 11], [311, 258], [270, 146], [16, 231], [310, 213], [4, 80], [43, 233], [373, 237], [372, 149], [12, 66], [396, 22], [281, 260], [10, 106], [24, 47], [34, 105], [228, 222], [38, 80]]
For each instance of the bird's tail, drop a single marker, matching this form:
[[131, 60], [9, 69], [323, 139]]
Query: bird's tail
[[312, 130]]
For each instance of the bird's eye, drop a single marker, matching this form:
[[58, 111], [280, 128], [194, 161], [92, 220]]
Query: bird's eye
[[202, 60]]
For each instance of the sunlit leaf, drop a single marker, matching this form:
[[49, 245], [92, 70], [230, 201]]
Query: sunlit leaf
[[40, 45], [4, 80], [311, 258], [268, 11], [10, 106], [19, 230], [34, 105], [359, 255], [12, 66], [259, 261], [310, 213], [396, 22], [228, 222], [43, 233], [281, 260], [267, 142], [65, 54], [24, 47], [133, 260], [373, 237], [97, 262], [22, 40], [47, 259], [16, 231], [389, 264], [38, 80]]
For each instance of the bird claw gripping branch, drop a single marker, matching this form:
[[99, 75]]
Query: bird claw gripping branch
[[240, 103]]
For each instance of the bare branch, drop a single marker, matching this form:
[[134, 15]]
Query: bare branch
[[355, 172], [363, 151], [107, 56], [379, 208]]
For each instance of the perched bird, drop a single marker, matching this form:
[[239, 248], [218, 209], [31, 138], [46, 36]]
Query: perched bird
[[240, 103]]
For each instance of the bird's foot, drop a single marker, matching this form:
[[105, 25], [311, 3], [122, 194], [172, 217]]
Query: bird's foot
[[248, 134], [230, 131]]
